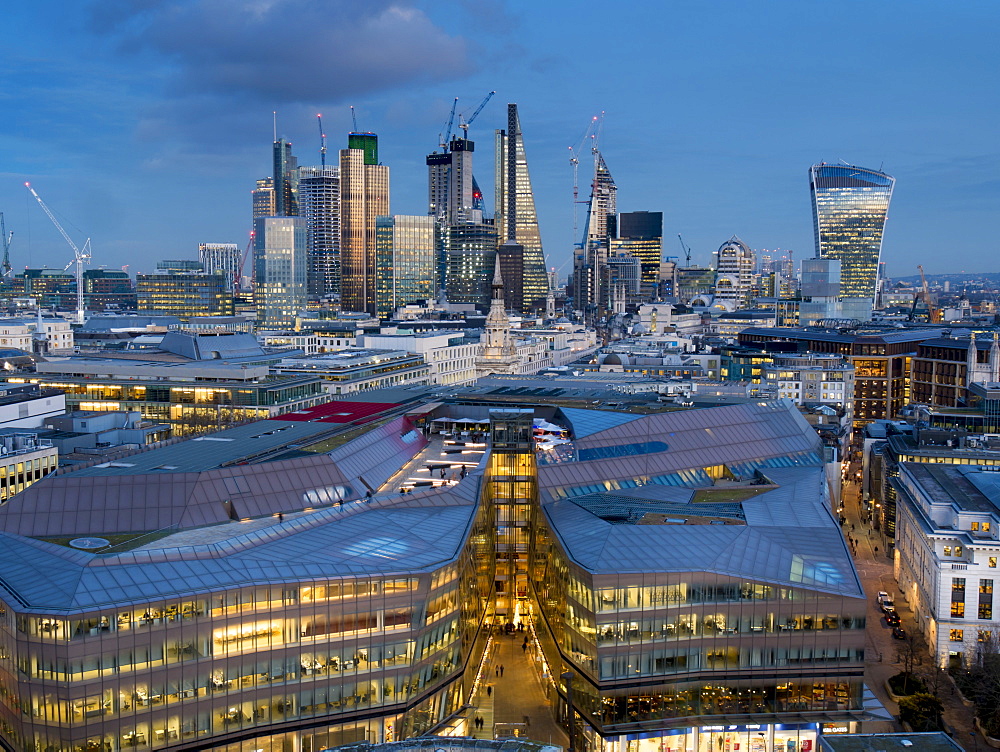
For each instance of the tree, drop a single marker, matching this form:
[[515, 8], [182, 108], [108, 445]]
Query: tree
[[922, 711]]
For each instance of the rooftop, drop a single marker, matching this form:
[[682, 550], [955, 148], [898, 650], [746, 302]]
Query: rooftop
[[936, 741]]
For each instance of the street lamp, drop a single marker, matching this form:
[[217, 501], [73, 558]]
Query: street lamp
[[568, 677]]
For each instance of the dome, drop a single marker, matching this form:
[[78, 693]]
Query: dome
[[614, 359], [640, 329]]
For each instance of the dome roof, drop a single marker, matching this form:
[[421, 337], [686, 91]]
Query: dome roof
[[615, 359]]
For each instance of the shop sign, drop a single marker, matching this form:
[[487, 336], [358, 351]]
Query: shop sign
[[836, 728]]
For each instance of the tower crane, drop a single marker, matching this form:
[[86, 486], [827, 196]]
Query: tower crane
[[443, 140], [322, 141], [933, 312], [80, 256], [464, 124], [354, 119], [687, 250], [5, 238], [574, 160], [243, 263]]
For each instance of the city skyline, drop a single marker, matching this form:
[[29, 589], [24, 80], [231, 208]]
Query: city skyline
[[131, 149]]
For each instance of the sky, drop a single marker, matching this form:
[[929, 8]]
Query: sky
[[143, 124]]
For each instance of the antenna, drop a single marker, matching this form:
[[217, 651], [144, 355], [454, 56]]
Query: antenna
[[322, 141], [354, 119], [274, 116]]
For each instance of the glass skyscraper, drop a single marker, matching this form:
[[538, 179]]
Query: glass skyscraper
[[279, 270], [404, 261], [850, 205]]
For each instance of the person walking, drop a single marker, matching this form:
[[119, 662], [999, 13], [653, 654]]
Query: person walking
[[489, 690], [501, 670]]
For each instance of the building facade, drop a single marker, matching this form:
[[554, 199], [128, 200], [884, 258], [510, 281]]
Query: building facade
[[225, 259], [516, 218], [319, 205], [734, 277], [364, 195], [280, 260], [185, 294], [850, 206], [405, 262]]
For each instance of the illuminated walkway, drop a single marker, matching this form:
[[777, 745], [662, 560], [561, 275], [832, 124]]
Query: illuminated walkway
[[517, 696]]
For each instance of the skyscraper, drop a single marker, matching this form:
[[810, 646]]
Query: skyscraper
[[470, 258], [592, 280], [451, 190], [516, 218], [364, 195], [285, 180], [263, 198], [850, 205], [319, 205], [640, 233], [222, 258], [404, 262], [279, 270]]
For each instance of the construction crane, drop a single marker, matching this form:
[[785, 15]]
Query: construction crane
[[933, 312], [5, 238], [80, 256], [574, 160], [443, 140], [464, 124], [246, 254], [687, 251], [354, 119], [322, 141]]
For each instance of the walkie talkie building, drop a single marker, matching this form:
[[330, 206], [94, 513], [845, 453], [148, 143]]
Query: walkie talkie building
[[850, 205]]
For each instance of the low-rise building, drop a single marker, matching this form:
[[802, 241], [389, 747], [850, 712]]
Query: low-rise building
[[24, 459], [947, 549], [20, 333], [352, 370], [28, 405], [811, 379], [450, 355]]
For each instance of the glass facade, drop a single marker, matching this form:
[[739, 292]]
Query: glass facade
[[364, 195], [185, 294], [319, 205], [279, 271], [470, 258], [850, 205], [516, 217], [404, 262]]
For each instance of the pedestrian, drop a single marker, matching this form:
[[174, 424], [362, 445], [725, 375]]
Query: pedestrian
[[501, 669], [489, 690], [876, 549], [281, 517], [524, 647], [497, 670]]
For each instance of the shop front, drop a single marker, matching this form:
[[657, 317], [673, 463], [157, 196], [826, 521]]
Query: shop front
[[779, 737]]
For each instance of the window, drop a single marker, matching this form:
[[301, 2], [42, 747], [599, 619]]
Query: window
[[958, 597], [984, 526], [947, 550], [984, 635], [986, 599], [975, 527], [993, 562], [958, 550], [956, 635]]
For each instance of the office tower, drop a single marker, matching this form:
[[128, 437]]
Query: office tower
[[591, 288], [222, 258], [470, 258], [734, 275], [405, 262], [185, 294], [364, 195], [319, 204], [285, 180], [108, 288], [510, 262], [451, 189], [850, 205], [279, 270], [820, 290], [640, 234], [626, 270], [516, 219], [262, 198]]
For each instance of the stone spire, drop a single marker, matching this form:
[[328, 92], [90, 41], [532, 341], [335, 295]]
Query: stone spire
[[971, 361], [995, 359], [497, 353]]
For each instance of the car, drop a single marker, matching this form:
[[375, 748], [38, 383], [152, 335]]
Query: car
[[881, 594], [892, 619], [899, 633]]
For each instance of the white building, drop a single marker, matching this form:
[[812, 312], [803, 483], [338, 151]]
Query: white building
[[18, 333], [28, 406], [452, 359], [947, 518], [734, 277], [811, 379]]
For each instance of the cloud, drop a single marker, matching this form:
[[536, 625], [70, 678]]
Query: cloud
[[286, 51]]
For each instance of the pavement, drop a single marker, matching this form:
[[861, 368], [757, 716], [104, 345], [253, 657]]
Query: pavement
[[882, 660], [515, 697]]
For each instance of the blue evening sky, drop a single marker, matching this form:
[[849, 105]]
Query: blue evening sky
[[144, 123]]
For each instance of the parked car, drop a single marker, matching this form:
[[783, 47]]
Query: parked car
[[899, 633], [892, 619]]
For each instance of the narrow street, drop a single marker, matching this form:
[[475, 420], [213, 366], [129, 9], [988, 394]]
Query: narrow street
[[875, 569]]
